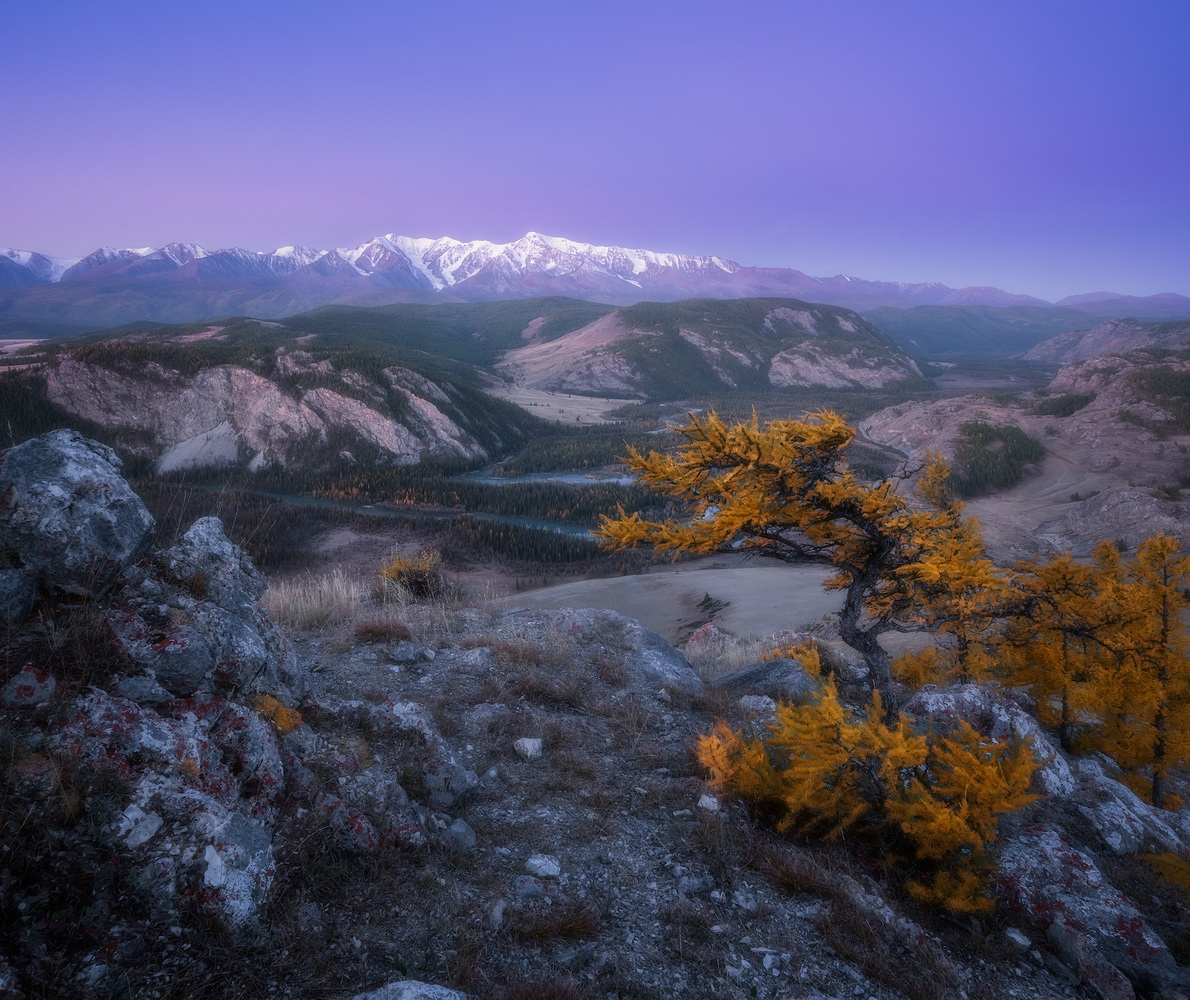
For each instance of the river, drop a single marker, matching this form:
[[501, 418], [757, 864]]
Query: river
[[409, 514]]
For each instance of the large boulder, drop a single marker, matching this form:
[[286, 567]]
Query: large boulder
[[66, 517], [780, 678]]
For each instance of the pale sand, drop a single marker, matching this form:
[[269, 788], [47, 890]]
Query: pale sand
[[761, 598]]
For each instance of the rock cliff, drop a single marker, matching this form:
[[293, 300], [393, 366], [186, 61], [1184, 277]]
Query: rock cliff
[[291, 412]]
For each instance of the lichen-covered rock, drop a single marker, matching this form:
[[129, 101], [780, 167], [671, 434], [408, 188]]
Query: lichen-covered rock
[[999, 719], [28, 688], [206, 562], [66, 515], [190, 645], [1060, 891], [207, 784]]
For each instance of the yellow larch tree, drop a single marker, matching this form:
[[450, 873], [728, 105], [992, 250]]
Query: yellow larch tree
[[1064, 640], [904, 561], [1143, 696]]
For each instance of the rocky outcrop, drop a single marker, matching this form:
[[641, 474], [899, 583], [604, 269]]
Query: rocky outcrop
[[228, 415], [477, 798], [1048, 875]]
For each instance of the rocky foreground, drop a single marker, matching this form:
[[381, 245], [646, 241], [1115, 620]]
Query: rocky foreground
[[428, 800]]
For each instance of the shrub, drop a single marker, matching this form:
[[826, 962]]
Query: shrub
[[282, 718], [1063, 406], [420, 576], [932, 801]]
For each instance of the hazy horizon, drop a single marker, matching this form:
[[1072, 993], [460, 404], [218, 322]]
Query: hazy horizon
[[1039, 149]]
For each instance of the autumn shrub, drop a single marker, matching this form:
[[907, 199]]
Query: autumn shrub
[[279, 715], [931, 801], [419, 576]]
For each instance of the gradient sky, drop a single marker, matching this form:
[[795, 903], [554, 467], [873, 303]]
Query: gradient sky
[[1042, 146]]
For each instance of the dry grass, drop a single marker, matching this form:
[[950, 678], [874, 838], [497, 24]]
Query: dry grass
[[858, 935], [385, 627], [573, 921], [316, 601], [798, 870], [723, 653]]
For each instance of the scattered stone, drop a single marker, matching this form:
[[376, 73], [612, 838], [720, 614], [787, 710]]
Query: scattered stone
[[528, 887], [459, 837], [709, 803], [543, 866], [527, 748], [1017, 938]]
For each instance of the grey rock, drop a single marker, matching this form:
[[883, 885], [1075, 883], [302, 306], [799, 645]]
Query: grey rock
[[998, 718], [459, 837], [212, 567], [528, 748], [543, 866], [66, 515], [408, 652], [141, 688], [1125, 823], [18, 593], [528, 887], [784, 679]]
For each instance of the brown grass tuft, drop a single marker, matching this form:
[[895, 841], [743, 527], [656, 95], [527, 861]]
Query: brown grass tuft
[[563, 921], [382, 628]]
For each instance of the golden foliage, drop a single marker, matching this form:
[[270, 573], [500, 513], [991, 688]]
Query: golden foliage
[[1173, 868], [419, 575], [830, 771], [282, 718]]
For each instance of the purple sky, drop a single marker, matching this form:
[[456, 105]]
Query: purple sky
[[1043, 147]]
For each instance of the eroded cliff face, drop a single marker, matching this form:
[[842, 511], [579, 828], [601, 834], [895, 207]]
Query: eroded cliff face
[[781, 347], [229, 415]]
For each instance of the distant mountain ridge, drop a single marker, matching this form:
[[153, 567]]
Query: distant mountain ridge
[[182, 282]]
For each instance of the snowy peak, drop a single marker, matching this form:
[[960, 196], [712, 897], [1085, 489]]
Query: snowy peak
[[395, 268]]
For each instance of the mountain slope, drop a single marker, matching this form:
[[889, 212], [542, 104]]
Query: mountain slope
[[674, 350], [1112, 337]]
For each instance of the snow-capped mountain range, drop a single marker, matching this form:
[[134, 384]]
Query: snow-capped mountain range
[[183, 281]]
